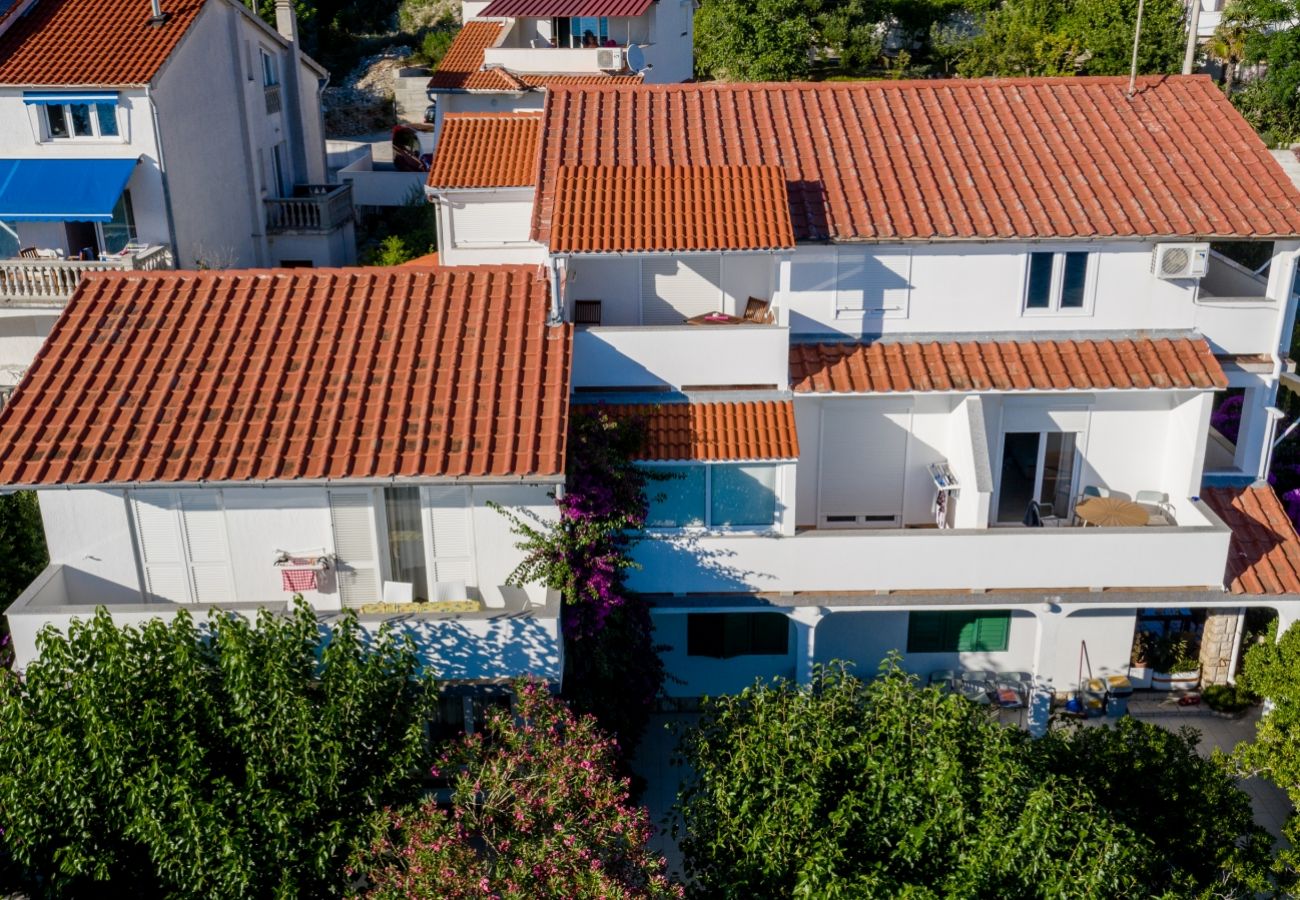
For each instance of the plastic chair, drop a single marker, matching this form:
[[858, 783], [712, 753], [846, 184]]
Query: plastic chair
[[943, 679], [976, 685], [399, 592], [1156, 503]]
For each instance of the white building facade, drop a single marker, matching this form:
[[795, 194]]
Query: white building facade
[[958, 331]]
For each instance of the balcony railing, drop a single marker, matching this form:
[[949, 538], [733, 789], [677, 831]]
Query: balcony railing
[[50, 282], [272, 99], [314, 208]]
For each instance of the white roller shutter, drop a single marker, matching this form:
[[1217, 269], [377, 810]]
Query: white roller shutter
[[203, 520], [874, 283], [675, 289], [162, 553], [352, 515], [451, 534], [481, 223], [863, 462]]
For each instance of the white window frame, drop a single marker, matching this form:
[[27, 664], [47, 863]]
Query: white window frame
[[1053, 307], [47, 132], [270, 68], [1042, 430], [385, 561], [708, 527]]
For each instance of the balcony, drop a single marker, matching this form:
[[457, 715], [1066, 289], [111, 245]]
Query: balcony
[[681, 356], [1233, 310], [1192, 554], [47, 281], [313, 209], [487, 644], [551, 60]]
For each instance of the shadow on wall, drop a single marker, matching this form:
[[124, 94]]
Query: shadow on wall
[[684, 562]]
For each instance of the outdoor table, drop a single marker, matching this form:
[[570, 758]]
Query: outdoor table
[[1112, 512], [715, 318]]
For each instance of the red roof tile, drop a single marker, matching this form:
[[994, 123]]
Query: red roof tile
[[462, 67], [91, 42], [636, 208], [429, 260], [294, 374], [721, 431], [970, 158], [546, 9], [1264, 554], [1039, 365], [477, 150]]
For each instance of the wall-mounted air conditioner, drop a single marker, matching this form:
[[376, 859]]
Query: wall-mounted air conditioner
[[610, 59], [1180, 260]]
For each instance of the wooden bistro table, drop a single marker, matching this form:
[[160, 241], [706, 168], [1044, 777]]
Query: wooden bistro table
[[715, 318], [1112, 512]]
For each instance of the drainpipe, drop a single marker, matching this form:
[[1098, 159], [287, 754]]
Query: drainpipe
[[1193, 26], [557, 303], [162, 171]]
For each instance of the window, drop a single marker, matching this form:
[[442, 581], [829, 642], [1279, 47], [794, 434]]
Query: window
[[958, 632], [270, 70], [406, 561], [1036, 467], [81, 120], [1057, 282], [121, 230], [712, 496], [278, 181], [429, 540], [724, 635], [580, 31]]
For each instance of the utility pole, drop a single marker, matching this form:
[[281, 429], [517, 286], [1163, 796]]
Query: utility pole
[[1137, 36], [1193, 26]]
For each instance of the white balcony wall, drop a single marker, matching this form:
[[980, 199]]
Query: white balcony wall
[[680, 356], [929, 559], [968, 459], [22, 331], [576, 60], [617, 282], [90, 530], [978, 288]]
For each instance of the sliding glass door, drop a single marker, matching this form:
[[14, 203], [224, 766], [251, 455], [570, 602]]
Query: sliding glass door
[[1036, 465]]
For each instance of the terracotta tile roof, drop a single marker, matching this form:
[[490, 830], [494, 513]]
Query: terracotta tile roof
[[1037, 365], [719, 431], [546, 9], [486, 150], [1264, 554], [969, 158], [429, 260], [634, 208], [91, 42], [462, 68], [294, 374]]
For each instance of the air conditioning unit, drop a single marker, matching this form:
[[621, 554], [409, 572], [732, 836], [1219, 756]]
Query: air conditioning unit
[[610, 59], [1180, 260]]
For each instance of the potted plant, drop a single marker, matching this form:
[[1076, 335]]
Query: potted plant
[[1139, 666], [1176, 662]]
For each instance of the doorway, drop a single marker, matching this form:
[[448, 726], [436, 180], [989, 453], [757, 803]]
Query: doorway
[[83, 240], [1036, 466]]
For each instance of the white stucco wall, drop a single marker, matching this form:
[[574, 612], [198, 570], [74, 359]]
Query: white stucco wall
[[90, 530], [672, 51], [22, 332]]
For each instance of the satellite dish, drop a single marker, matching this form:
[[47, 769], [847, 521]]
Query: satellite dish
[[635, 58]]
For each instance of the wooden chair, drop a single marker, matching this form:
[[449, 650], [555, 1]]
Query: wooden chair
[[29, 253], [758, 311]]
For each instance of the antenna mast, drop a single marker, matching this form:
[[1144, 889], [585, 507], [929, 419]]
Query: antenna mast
[[1133, 70]]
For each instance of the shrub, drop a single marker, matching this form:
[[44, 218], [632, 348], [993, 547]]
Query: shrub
[[1227, 698]]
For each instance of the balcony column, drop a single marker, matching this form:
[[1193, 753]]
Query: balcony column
[[1051, 616], [805, 620]]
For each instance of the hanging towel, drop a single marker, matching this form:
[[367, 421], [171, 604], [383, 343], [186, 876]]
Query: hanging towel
[[298, 580]]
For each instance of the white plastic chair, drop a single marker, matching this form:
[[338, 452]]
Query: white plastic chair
[[399, 592], [444, 591]]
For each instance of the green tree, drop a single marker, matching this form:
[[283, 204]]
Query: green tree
[[852, 789], [22, 544], [1271, 102], [535, 811], [753, 40], [231, 759]]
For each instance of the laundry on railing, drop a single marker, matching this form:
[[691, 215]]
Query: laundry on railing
[[298, 580], [319, 560]]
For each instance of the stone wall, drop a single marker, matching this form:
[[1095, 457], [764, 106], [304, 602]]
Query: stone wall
[[1217, 643]]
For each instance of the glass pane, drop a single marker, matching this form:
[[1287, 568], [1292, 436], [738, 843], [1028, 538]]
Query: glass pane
[[80, 115], [590, 31], [106, 115], [1073, 280], [121, 231], [677, 502], [406, 539], [743, 496], [58, 120], [1038, 295], [1019, 468], [1058, 472]]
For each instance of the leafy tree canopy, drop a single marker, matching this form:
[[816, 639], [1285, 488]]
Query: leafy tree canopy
[[227, 760], [22, 544], [535, 811], [753, 40], [853, 789]]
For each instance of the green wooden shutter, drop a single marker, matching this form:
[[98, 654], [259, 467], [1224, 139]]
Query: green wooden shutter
[[992, 632], [925, 632]]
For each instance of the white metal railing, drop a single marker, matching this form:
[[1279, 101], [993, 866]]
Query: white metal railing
[[321, 209], [50, 282]]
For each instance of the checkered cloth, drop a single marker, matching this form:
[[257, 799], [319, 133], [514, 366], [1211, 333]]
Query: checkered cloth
[[298, 580]]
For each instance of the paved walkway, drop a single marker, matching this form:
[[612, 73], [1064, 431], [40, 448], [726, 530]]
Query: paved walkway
[[653, 762]]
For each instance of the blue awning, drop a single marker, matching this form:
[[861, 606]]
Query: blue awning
[[62, 190], [58, 98]]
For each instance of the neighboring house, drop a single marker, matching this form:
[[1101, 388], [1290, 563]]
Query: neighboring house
[[193, 139], [510, 52], [884, 321], [223, 440]]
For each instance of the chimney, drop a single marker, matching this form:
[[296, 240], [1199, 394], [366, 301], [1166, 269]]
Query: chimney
[[158, 17], [286, 22]]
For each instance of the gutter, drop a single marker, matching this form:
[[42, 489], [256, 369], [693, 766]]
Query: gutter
[[271, 483], [162, 170]]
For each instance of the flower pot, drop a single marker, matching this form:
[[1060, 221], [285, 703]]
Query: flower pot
[[1176, 681], [1140, 676]]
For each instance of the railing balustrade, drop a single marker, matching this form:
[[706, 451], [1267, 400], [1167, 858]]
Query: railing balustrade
[[323, 208], [50, 282]]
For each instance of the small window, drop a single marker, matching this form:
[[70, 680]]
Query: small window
[[742, 496], [580, 31], [1057, 282], [958, 632], [81, 120], [270, 70], [121, 230], [725, 635], [677, 501]]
